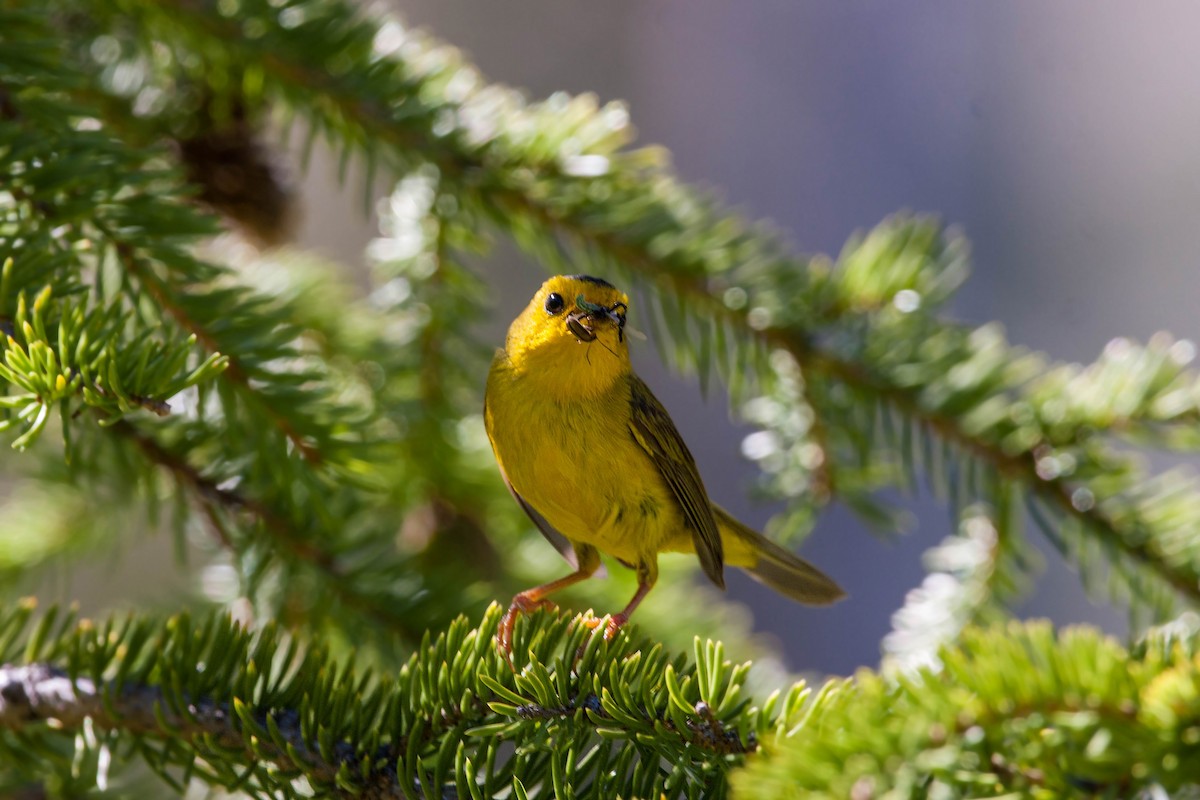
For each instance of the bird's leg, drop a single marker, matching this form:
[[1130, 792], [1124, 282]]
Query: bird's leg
[[535, 598], [647, 573]]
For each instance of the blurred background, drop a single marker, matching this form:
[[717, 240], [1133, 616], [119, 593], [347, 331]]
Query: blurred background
[[1061, 138]]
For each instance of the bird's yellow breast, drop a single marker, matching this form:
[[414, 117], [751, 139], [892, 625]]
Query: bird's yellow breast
[[578, 465]]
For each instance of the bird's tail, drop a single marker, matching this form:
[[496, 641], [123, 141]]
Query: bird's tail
[[770, 564]]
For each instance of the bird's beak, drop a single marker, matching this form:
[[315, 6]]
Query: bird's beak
[[617, 315]]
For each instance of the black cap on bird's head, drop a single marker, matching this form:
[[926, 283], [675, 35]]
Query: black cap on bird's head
[[592, 279]]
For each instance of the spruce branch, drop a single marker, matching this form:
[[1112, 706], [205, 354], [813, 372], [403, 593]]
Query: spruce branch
[[65, 350], [60, 349], [41, 693], [1018, 709], [161, 294], [1021, 467], [1015, 708], [575, 704], [1122, 531], [216, 497], [192, 294], [219, 502]]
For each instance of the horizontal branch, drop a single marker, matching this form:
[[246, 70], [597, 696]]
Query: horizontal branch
[[569, 700], [216, 500], [43, 693], [157, 289], [1021, 467]]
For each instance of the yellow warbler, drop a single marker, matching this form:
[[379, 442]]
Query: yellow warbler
[[596, 462]]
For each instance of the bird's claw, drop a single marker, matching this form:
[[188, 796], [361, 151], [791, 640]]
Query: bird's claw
[[521, 604], [615, 623]]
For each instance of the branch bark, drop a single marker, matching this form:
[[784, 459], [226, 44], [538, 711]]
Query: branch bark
[[42, 693]]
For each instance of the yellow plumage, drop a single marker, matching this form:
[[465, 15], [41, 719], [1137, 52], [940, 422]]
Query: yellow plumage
[[596, 461]]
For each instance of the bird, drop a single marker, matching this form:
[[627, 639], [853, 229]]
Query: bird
[[595, 461]]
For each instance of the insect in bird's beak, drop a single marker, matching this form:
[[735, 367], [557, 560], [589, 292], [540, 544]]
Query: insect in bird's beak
[[583, 332], [591, 312]]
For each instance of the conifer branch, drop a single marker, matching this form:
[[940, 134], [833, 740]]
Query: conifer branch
[[1011, 708], [212, 499], [1018, 709], [42, 693], [162, 296], [215, 497], [291, 713], [217, 501], [1021, 467]]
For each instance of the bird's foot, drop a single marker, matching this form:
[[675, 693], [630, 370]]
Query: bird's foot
[[521, 604], [615, 623]]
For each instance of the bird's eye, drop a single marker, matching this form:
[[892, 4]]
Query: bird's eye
[[554, 303]]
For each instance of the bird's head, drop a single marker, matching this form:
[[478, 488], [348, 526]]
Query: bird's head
[[573, 334]]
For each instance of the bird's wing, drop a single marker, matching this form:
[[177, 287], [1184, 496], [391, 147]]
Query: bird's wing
[[653, 429]]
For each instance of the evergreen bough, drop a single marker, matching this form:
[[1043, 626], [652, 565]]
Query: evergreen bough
[[152, 378]]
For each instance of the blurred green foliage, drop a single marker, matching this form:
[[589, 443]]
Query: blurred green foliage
[[320, 452]]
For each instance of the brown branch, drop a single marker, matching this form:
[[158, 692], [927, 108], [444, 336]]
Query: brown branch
[[207, 490], [213, 500], [154, 286], [8, 109], [41, 693]]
